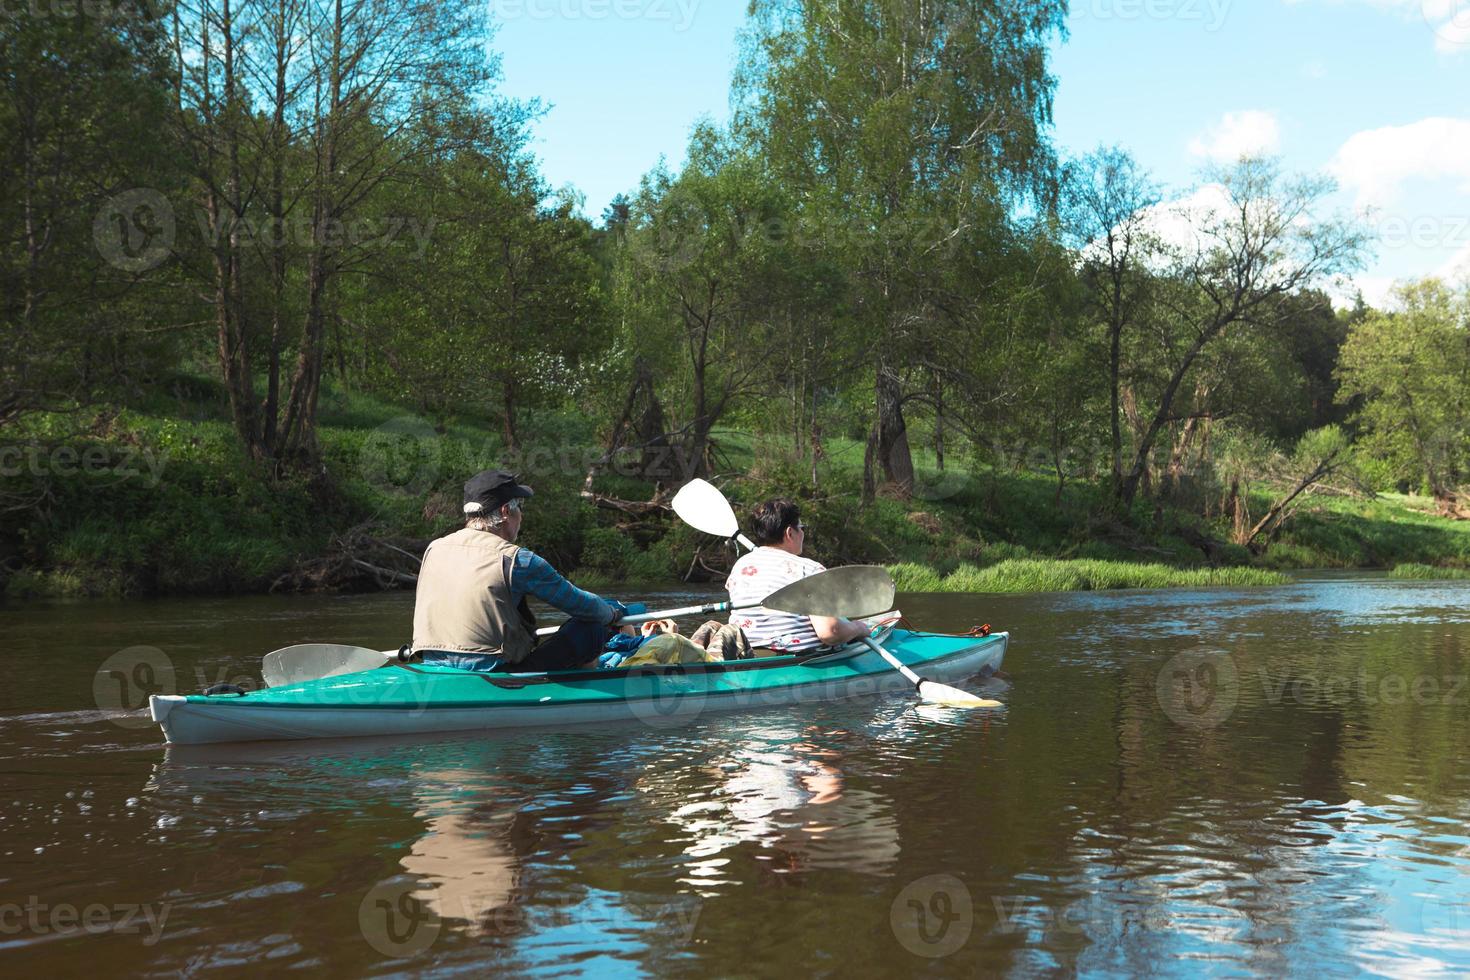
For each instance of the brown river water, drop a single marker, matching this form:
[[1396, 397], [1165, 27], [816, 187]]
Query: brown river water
[[1256, 782]]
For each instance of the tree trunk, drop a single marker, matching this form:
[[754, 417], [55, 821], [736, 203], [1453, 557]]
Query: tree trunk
[[1115, 358], [1277, 514], [1129, 489], [892, 442], [276, 205], [508, 411], [939, 424], [298, 433]]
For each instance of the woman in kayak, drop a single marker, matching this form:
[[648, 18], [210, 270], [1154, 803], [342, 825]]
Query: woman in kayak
[[777, 529], [470, 610]]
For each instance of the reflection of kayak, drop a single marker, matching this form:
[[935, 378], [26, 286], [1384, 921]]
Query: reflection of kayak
[[413, 699]]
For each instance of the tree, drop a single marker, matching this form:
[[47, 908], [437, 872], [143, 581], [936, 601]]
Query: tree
[[897, 125], [1256, 244], [83, 169], [696, 276], [1110, 199], [1319, 454], [360, 96], [500, 308], [1411, 367]]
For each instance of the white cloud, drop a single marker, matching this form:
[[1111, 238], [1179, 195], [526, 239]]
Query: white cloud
[[1238, 134], [1457, 268], [1377, 292], [1375, 163], [1449, 20]]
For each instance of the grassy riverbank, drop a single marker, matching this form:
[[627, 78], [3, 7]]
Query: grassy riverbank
[[156, 499]]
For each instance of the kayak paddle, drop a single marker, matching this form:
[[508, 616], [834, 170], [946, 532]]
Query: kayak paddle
[[706, 509], [851, 592], [701, 505], [932, 691], [313, 661]]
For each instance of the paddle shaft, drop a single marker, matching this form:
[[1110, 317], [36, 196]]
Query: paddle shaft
[[708, 609], [893, 661]]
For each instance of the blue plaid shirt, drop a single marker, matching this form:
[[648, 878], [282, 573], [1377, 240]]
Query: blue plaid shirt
[[531, 574]]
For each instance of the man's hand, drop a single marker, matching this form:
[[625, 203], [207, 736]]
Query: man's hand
[[620, 611]]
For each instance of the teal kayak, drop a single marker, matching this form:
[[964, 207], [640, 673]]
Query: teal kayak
[[416, 699]]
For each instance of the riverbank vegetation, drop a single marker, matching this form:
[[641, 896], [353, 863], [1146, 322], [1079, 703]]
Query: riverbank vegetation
[[304, 276]]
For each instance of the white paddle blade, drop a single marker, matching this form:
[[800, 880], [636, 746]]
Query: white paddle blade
[[849, 592], [314, 661], [953, 697], [701, 505]]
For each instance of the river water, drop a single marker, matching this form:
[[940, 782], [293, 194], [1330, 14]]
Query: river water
[[1255, 782]]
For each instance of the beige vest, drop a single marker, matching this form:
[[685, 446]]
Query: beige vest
[[463, 603]]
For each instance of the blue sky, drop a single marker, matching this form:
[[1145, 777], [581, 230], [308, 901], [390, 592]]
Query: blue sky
[[1375, 92]]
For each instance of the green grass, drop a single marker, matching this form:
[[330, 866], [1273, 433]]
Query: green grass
[[1062, 575], [1417, 571], [201, 518], [1391, 530]]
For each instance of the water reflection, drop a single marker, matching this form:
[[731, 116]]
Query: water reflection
[[1315, 823], [465, 864], [782, 790]]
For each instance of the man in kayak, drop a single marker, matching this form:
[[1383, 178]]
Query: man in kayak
[[471, 610], [777, 528]]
